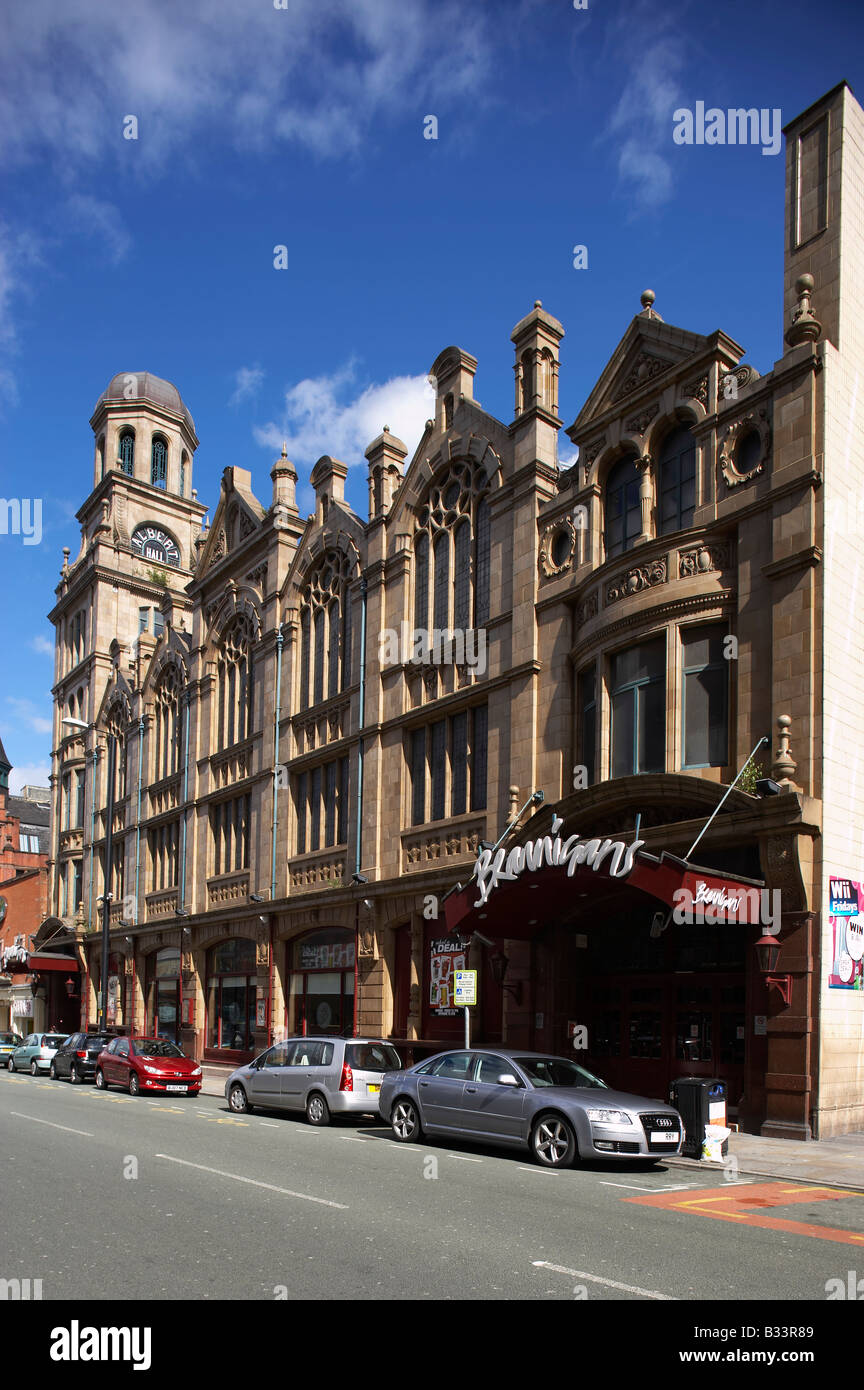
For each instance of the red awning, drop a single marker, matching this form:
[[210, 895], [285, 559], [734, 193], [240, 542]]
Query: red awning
[[44, 962], [516, 909]]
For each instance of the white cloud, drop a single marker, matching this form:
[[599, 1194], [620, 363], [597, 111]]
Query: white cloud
[[101, 221], [649, 63], [317, 74], [30, 775], [43, 645], [328, 415], [247, 384], [25, 711]]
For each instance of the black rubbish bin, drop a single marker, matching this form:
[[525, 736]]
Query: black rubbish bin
[[700, 1101]]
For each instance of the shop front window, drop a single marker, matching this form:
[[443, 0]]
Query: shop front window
[[321, 983], [163, 993], [231, 991]]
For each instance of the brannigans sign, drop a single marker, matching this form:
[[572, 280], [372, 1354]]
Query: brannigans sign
[[494, 866]]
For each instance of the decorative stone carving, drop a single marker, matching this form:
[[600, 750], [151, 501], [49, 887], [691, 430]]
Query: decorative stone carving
[[804, 327], [702, 559], [697, 390], [589, 454], [220, 548], [638, 424], [755, 419], [546, 562], [783, 768], [637, 579], [588, 609], [645, 368], [733, 382], [258, 577]]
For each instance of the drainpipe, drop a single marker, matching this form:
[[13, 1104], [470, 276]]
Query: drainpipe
[[279, 644], [138, 815], [361, 721], [182, 902]]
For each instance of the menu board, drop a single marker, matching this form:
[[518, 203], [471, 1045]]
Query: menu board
[[446, 955]]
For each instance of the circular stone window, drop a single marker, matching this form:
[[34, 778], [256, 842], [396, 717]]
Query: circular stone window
[[557, 547], [559, 551], [749, 452]]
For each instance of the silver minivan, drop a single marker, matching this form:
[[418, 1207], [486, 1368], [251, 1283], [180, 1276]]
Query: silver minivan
[[318, 1075]]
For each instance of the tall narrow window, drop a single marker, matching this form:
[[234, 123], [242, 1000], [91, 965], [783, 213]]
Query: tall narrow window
[[638, 698], [126, 453], [236, 682], [677, 481], [438, 768], [418, 776], [458, 763], [333, 653], [586, 700], [301, 813], [479, 755], [315, 809], [325, 625], [482, 546], [305, 624], [342, 830], [421, 582], [705, 731], [462, 576], [159, 463], [330, 772], [184, 459], [318, 695], [441, 596], [623, 512], [347, 639]]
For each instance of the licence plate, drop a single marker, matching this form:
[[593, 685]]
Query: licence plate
[[658, 1138], [371, 1089], [175, 1088]]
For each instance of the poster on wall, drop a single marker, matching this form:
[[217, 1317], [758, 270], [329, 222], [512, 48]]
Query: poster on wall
[[846, 918], [447, 954]]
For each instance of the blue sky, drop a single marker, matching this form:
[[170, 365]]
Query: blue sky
[[304, 127]]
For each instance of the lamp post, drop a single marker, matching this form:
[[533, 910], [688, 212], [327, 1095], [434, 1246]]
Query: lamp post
[[109, 854]]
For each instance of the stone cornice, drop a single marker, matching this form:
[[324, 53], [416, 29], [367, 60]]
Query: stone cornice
[[807, 558]]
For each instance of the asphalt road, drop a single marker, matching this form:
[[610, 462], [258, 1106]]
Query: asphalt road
[[109, 1197]]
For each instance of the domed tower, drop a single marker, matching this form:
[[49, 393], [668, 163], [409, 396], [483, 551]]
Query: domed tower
[[128, 581]]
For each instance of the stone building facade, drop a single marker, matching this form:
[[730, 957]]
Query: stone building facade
[[316, 723]]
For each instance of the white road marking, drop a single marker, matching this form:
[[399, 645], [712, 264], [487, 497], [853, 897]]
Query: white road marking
[[68, 1129], [463, 1158], [545, 1172], [631, 1187], [608, 1283], [237, 1177], [270, 1124], [346, 1140]]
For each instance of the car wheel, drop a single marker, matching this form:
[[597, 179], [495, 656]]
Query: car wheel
[[317, 1109], [10, 1065], [101, 1083], [134, 1084], [75, 1076], [405, 1121], [52, 1072], [238, 1101], [553, 1142], [34, 1070]]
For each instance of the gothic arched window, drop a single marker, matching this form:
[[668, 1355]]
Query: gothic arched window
[[236, 682], [167, 723], [116, 725], [126, 452], [325, 629], [623, 512], [676, 481], [456, 507], [159, 462]]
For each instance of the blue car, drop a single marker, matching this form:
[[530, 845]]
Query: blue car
[[35, 1053]]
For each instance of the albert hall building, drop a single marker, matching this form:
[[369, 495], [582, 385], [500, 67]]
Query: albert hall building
[[495, 721]]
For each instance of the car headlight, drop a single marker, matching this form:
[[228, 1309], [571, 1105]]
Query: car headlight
[[151, 1071], [609, 1117], [196, 1071]]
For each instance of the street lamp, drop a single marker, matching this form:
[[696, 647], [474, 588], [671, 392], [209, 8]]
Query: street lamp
[[109, 854]]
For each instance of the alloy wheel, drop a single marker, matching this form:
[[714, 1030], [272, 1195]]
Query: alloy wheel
[[317, 1110], [405, 1121], [237, 1100], [553, 1142], [34, 1070]]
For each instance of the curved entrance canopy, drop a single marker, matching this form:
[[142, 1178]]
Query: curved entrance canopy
[[514, 891]]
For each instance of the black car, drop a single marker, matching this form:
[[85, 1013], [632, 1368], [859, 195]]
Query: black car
[[76, 1059]]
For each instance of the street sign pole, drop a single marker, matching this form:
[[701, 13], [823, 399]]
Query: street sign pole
[[467, 1028]]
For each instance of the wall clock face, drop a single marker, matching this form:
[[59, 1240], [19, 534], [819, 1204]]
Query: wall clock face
[[151, 543]]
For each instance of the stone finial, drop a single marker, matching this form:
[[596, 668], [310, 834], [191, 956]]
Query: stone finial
[[284, 476], [783, 768], [646, 299], [514, 802], [804, 327], [66, 553]]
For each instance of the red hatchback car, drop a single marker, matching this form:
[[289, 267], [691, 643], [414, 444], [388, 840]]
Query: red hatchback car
[[147, 1064]]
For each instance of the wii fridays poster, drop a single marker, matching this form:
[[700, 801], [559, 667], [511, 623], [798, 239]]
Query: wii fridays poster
[[846, 901]]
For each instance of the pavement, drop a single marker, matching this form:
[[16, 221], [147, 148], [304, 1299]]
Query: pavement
[[837, 1162]]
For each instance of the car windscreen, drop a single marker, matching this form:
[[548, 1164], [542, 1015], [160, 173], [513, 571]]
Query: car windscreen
[[557, 1071], [99, 1040], [9, 1038], [53, 1039], [156, 1047], [372, 1057]]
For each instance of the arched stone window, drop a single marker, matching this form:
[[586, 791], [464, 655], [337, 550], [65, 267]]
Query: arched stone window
[[676, 481], [167, 723], [126, 452], [236, 686], [159, 462], [184, 462], [116, 725], [325, 628], [455, 523], [623, 514]]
